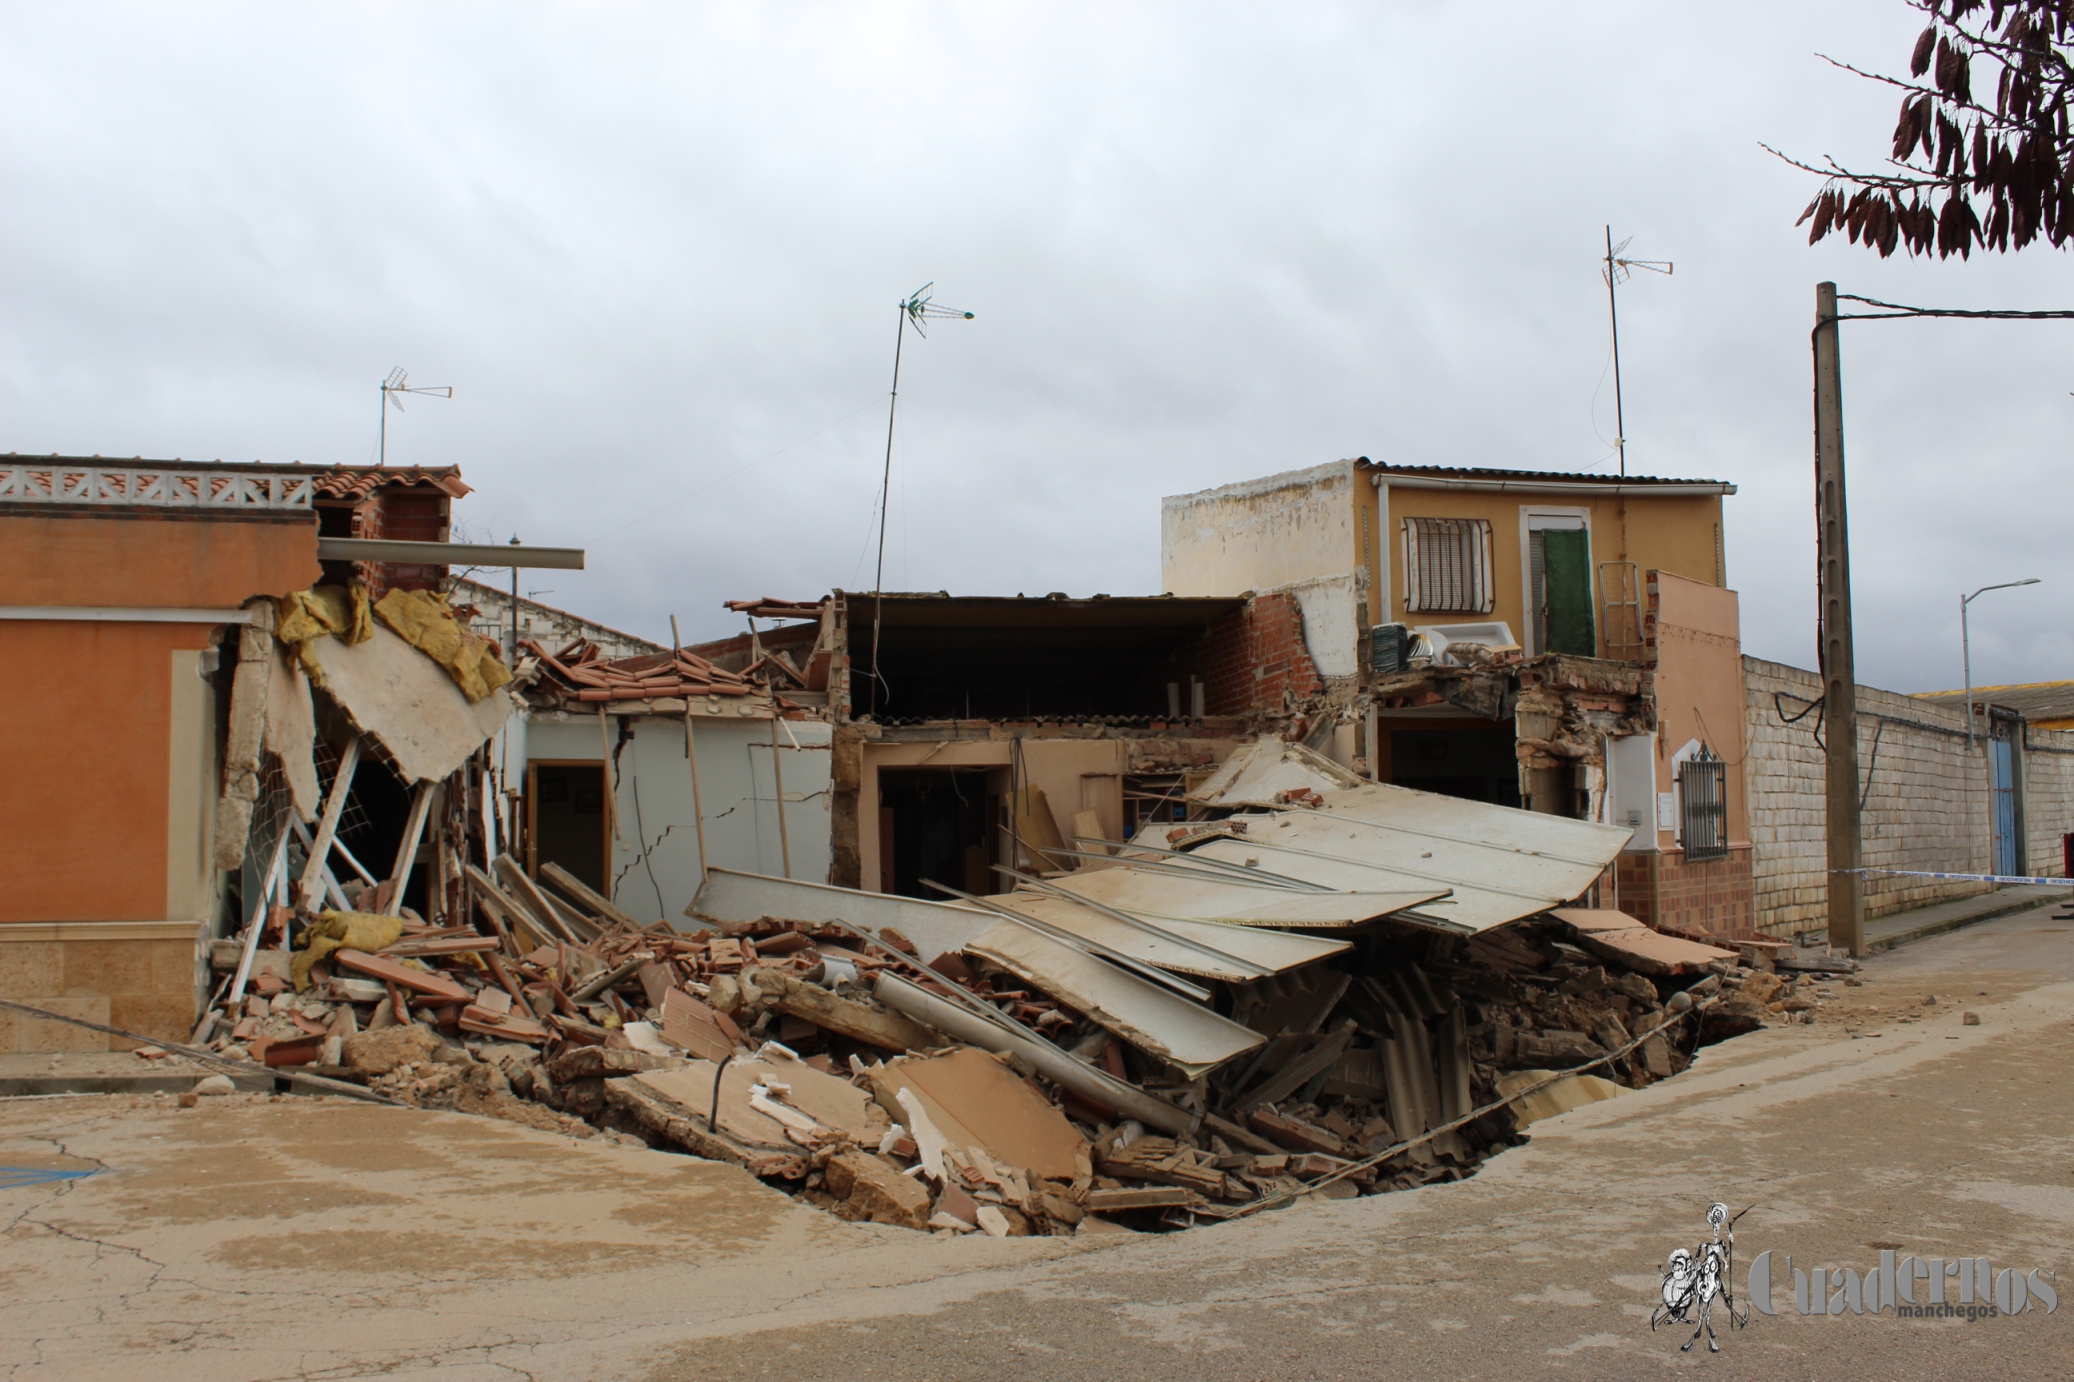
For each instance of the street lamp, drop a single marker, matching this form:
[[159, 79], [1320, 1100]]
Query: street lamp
[[1966, 644]]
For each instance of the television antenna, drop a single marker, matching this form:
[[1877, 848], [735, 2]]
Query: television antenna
[[1617, 271], [393, 388], [915, 310]]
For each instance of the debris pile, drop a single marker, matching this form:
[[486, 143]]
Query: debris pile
[[1164, 1035]]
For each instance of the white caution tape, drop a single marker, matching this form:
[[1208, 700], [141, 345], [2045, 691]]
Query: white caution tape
[[1960, 877]]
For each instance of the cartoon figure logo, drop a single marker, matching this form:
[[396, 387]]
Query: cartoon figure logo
[[1694, 1280]]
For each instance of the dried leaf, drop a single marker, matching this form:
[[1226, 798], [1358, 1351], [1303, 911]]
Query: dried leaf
[[1919, 62]]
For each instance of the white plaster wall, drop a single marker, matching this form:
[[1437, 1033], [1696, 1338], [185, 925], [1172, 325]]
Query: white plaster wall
[[655, 859], [1297, 526], [1331, 608]]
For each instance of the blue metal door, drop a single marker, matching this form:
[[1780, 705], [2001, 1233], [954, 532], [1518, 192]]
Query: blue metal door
[[2002, 784]]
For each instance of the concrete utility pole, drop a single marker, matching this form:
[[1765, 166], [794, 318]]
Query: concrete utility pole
[[1839, 671]]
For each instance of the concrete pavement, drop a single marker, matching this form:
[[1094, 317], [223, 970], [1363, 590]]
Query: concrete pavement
[[305, 1238]]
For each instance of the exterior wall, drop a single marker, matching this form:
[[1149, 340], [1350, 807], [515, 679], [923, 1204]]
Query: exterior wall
[[1258, 658], [1926, 804], [1692, 637], [110, 751], [653, 800], [2048, 767], [543, 623], [1261, 534], [1057, 767], [1713, 897], [1677, 535]]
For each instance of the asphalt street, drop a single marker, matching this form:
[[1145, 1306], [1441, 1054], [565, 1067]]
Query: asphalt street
[[300, 1238]]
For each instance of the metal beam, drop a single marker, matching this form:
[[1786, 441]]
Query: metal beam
[[448, 553]]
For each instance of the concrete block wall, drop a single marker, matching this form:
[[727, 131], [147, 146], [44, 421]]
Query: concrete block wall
[[1926, 800], [2048, 800]]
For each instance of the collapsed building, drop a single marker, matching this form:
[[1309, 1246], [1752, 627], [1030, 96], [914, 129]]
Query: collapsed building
[[968, 913]]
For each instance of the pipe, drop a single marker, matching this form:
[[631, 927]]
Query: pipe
[[1055, 1065]]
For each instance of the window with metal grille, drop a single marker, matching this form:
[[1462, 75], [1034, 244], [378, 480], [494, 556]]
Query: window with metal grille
[[1703, 806], [1447, 566]]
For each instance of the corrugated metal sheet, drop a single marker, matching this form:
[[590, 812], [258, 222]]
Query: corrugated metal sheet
[[934, 927], [1502, 864], [1164, 895], [1186, 1035], [1252, 948]]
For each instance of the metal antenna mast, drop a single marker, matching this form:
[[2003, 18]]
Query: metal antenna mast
[[916, 309], [1617, 271], [393, 388]]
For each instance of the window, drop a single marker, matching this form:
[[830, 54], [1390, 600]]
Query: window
[[1703, 806], [1447, 566]]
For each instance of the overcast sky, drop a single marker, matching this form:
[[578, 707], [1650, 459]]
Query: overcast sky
[[657, 252]]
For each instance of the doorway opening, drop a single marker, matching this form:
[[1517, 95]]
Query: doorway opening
[[1474, 764], [565, 819], [942, 824]]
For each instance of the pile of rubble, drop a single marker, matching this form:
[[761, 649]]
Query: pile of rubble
[[956, 1095]]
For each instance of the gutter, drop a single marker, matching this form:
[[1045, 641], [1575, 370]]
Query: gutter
[[1675, 490]]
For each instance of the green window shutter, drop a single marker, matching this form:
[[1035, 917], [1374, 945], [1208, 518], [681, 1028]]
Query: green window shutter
[[1567, 582]]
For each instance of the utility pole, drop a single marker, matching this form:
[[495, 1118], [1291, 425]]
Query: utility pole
[[1839, 671]]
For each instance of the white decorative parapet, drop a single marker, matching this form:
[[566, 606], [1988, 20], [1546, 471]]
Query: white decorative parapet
[[150, 486]]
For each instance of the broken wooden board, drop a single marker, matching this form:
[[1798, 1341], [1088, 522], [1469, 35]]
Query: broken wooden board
[[393, 972], [977, 1101], [1616, 936], [1110, 1201], [888, 1031], [1572, 1091]]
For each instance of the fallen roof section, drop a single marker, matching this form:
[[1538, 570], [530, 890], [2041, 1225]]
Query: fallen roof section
[[1166, 894], [1501, 863], [406, 702], [1190, 947], [1188, 1036], [1619, 937], [936, 928]]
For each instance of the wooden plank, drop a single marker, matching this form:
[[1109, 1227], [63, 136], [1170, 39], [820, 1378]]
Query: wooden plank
[[1099, 1201], [443, 945], [526, 894], [407, 852], [327, 824], [402, 975], [526, 934], [579, 891], [889, 1031]]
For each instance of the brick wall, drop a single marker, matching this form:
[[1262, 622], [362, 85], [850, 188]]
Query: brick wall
[[401, 515], [1926, 805], [1256, 659], [1710, 897]]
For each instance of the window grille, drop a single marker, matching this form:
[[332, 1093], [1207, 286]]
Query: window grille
[[1703, 806], [1447, 564]]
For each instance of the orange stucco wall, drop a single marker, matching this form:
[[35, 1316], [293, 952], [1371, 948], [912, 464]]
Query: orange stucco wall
[[1678, 535], [177, 563], [86, 745], [1699, 686], [87, 708]]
